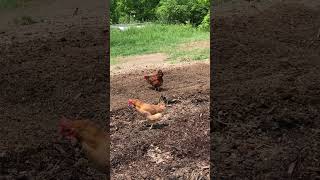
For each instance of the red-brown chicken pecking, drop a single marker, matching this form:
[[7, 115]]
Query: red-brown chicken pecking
[[155, 80], [94, 140]]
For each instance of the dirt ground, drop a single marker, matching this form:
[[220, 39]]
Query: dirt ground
[[266, 91], [51, 68], [178, 148]]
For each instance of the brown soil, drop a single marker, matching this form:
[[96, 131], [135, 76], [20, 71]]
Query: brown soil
[[143, 59], [132, 63], [178, 148], [49, 69], [266, 93]]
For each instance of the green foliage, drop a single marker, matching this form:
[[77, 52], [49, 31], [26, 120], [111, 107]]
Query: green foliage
[[199, 10], [5, 4], [182, 11], [114, 15], [8, 4], [173, 11], [165, 11], [124, 11], [205, 24]]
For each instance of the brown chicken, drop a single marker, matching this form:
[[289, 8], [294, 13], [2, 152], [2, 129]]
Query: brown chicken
[[93, 140], [152, 112], [155, 80]]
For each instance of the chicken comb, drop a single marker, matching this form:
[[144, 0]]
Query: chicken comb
[[130, 103], [145, 76], [64, 123]]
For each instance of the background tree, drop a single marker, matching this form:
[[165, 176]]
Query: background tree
[[139, 10], [195, 12], [183, 11]]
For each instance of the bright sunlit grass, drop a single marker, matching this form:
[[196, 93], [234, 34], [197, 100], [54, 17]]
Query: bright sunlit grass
[[156, 38]]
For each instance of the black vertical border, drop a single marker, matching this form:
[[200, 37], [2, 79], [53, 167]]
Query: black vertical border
[[107, 76]]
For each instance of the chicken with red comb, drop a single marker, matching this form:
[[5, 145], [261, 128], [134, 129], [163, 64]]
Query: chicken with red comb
[[94, 140], [153, 112]]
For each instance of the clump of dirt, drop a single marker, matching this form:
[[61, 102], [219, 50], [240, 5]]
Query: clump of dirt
[[265, 86], [178, 146]]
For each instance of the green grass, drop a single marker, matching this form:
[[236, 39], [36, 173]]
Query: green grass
[[189, 55], [8, 4], [156, 38], [24, 20]]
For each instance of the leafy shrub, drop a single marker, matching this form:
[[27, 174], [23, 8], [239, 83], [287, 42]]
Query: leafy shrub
[[165, 11], [173, 11], [182, 11], [205, 24], [127, 10]]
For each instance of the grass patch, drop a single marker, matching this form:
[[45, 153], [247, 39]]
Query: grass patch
[[9, 4], [24, 20], [4, 4], [153, 38], [190, 55]]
